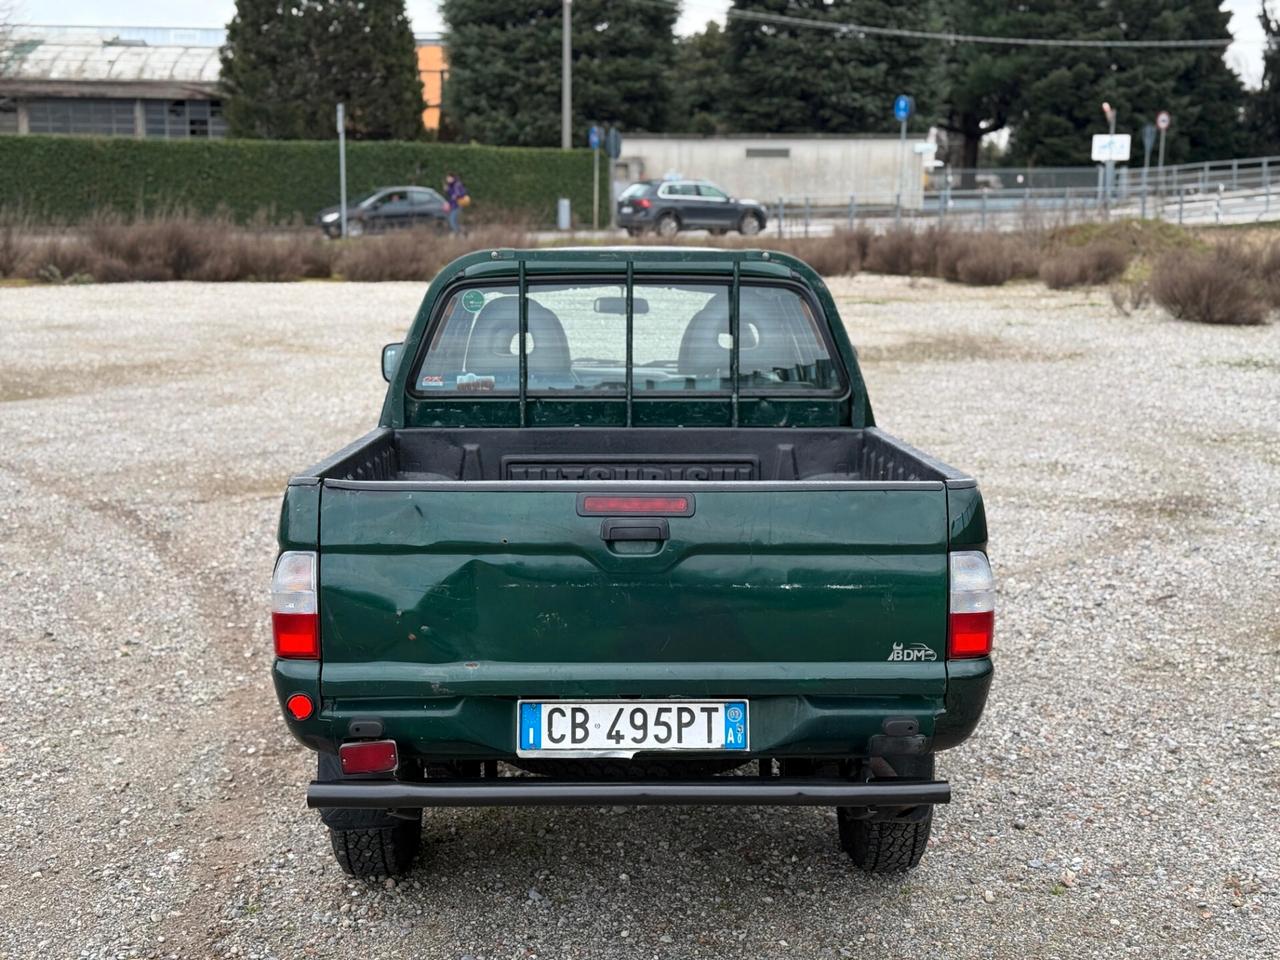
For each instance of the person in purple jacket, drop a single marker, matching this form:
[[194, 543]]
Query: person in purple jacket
[[455, 192]]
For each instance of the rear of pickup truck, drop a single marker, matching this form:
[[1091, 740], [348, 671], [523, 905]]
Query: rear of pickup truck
[[630, 597]]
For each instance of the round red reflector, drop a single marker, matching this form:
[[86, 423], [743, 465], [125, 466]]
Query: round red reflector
[[299, 706]]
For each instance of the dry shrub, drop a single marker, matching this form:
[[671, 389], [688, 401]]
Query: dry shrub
[[61, 260], [837, 255], [893, 252], [14, 242], [978, 258], [1217, 287], [1262, 263], [985, 265], [1094, 263], [418, 254], [400, 256]]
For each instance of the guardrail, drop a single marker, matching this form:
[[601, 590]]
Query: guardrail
[[1226, 191]]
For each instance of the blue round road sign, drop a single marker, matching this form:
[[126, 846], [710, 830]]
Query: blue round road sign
[[903, 107], [593, 138]]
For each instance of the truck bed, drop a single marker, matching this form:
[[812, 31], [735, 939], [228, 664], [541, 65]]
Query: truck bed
[[644, 455]]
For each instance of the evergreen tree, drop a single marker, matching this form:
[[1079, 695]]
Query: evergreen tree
[[799, 79], [264, 71], [286, 65], [701, 82], [1057, 104], [1264, 106], [368, 60], [504, 68]]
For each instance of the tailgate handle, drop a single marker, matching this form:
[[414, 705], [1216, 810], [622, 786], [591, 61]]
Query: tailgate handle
[[653, 528]]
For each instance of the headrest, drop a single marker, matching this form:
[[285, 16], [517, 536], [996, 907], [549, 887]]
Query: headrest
[[494, 346]]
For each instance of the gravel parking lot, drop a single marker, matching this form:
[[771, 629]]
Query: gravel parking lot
[[1120, 798]]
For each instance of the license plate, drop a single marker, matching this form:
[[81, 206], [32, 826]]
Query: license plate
[[621, 728], [627, 209]]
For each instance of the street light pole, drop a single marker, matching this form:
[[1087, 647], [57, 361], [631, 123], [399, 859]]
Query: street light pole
[[566, 80]]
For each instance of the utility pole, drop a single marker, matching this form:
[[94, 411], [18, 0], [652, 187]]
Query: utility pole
[[566, 80]]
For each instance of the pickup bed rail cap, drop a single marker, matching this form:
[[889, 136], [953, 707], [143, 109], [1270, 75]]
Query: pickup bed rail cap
[[635, 486]]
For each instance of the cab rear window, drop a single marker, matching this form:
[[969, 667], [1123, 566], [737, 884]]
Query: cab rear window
[[576, 341]]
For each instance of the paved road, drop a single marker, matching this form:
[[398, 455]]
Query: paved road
[[1119, 799]]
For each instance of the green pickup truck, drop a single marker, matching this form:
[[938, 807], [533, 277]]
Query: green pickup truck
[[627, 534]]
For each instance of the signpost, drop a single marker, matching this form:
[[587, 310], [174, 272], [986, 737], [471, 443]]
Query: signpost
[[612, 150], [1148, 141], [1109, 182], [342, 168], [593, 140], [903, 107], [1162, 124]]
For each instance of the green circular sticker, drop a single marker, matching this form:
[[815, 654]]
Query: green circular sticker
[[472, 300]]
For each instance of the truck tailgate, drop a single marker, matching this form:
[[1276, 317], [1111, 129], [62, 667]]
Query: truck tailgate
[[817, 588]]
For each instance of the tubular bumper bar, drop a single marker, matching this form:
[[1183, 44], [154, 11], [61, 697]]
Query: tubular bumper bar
[[536, 791]]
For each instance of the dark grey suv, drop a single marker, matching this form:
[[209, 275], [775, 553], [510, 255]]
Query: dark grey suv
[[389, 208], [669, 206]]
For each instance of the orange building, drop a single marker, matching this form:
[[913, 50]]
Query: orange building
[[433, 69]]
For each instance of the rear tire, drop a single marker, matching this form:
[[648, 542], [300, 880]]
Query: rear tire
[[368, 843], [886, 846], [882, 846], [668, 225]]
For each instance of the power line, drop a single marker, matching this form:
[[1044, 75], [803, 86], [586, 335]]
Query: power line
[[780, 19]]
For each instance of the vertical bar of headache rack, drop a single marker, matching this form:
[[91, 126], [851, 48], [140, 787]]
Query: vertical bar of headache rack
[[630, 327], [523, 336], [733, 337]]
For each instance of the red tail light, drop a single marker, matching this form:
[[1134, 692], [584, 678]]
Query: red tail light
[[971, 626], [297, 635], [369, 756], [644, 203], [680, 505], [293, 606], [299, 706]]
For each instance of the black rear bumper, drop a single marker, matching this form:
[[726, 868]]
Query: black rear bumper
[[537, 791]]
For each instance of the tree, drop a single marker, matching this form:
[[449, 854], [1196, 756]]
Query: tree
[[701, 82], [1057, 104], [265, 75], [797, 79], [367, 59], [286, 65], [1264, 106], [504, 87]]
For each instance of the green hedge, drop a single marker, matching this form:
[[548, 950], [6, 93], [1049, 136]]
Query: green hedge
[[71, 178]]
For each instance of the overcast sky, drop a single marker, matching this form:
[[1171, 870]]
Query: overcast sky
[[1245, 55]]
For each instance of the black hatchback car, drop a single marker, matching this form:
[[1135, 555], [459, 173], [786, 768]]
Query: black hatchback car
[[669, 206], [389, 208]]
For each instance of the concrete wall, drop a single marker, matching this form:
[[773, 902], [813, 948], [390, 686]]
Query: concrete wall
[[764, 168]]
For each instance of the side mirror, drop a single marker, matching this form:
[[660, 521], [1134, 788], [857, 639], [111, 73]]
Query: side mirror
[[390, 357]]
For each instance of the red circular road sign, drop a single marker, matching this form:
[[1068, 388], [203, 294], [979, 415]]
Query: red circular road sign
[[1163, 119]]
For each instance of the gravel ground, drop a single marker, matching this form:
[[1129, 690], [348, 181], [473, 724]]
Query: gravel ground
[[1119, 798]]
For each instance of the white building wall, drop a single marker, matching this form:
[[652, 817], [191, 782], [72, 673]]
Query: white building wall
[[764, 168]]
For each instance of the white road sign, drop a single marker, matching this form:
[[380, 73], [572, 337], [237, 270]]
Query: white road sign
[[1109, 146]]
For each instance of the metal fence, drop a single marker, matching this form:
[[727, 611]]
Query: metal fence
[[1245, 190]]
